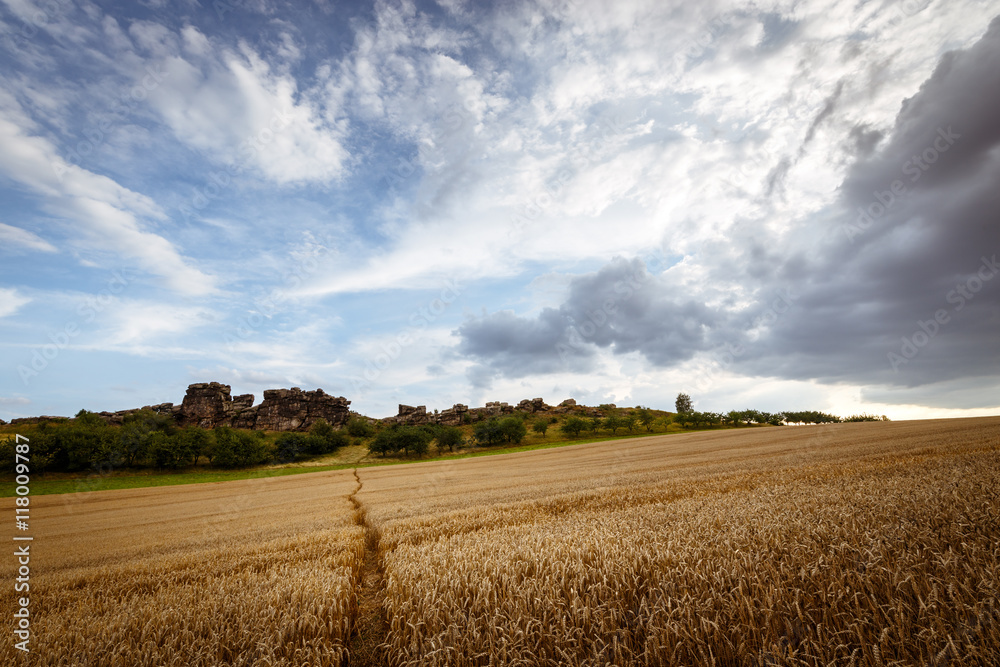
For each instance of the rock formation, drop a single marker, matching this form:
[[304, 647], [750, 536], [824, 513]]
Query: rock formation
[[209, 405], [459, 413], [293, 410]]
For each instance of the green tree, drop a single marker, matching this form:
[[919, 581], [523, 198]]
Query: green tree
[[513, 429], [323, 439], [573, 426], [412, 439], [382, 443], [540, 426], [629, 422], [646, 418], [612, 423], [449, 437], [402, 438], [290, 446], [683, 403], [192, 442], [359, 427], [164, 451], [239, 449], [488, 432]]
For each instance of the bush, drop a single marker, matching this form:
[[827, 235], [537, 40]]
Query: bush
[[409, 439], [646, 418], [192, 442], [359, 427], [382, 443], [488, 432], [513, 429], [865, 417], [573, 427], [323, 439], [290, 446], [449, 437], [238, 449], [612, 423]]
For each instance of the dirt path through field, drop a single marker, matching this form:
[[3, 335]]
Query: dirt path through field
[[369, 632]]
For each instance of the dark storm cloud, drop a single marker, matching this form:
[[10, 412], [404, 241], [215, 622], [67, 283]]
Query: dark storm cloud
[[621, 307], [896, 284], [862, 140], [905, 290]]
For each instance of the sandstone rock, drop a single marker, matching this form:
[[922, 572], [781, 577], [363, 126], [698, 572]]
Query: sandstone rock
[[454, 415], [208, 404], [532, 405], [294, 409], [569, 402]]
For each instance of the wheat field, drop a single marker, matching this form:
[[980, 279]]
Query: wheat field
[[846, 544], [256, 572]]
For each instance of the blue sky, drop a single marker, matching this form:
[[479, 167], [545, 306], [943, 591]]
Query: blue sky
[[442, 202]]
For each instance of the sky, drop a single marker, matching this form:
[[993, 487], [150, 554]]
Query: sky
[[771, 205]]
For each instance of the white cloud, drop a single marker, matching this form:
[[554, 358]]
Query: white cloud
[[242, 112], [132, 322], [14, 400], [15, 236], [108, 215], [11, 301]]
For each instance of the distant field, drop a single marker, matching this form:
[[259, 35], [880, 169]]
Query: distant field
[[864, 544]]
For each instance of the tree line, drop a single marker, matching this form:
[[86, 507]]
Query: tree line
[[147, 439], [688, 416]]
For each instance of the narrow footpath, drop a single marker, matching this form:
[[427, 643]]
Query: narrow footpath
[[370, 630]]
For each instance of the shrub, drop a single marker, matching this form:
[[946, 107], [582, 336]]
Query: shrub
[[323, 439], [573, 426], [513, 429], [359, 427], [449, 437], [290, 446], [409, 439], [488, 432], [238, 449]]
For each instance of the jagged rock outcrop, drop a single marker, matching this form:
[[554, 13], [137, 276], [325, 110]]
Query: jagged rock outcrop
[[532, 405], [460, 413], [210, 405], [293, 410], [454, 416], [118, 418]]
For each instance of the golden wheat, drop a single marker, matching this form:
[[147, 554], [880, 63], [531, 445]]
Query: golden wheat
[[874, 549], [851, 544], [269, 577]]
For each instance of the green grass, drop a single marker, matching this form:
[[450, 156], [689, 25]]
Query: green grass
[[96, 482]]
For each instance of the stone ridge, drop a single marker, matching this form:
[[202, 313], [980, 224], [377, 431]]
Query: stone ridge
[[210, 404], [459, 413]]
